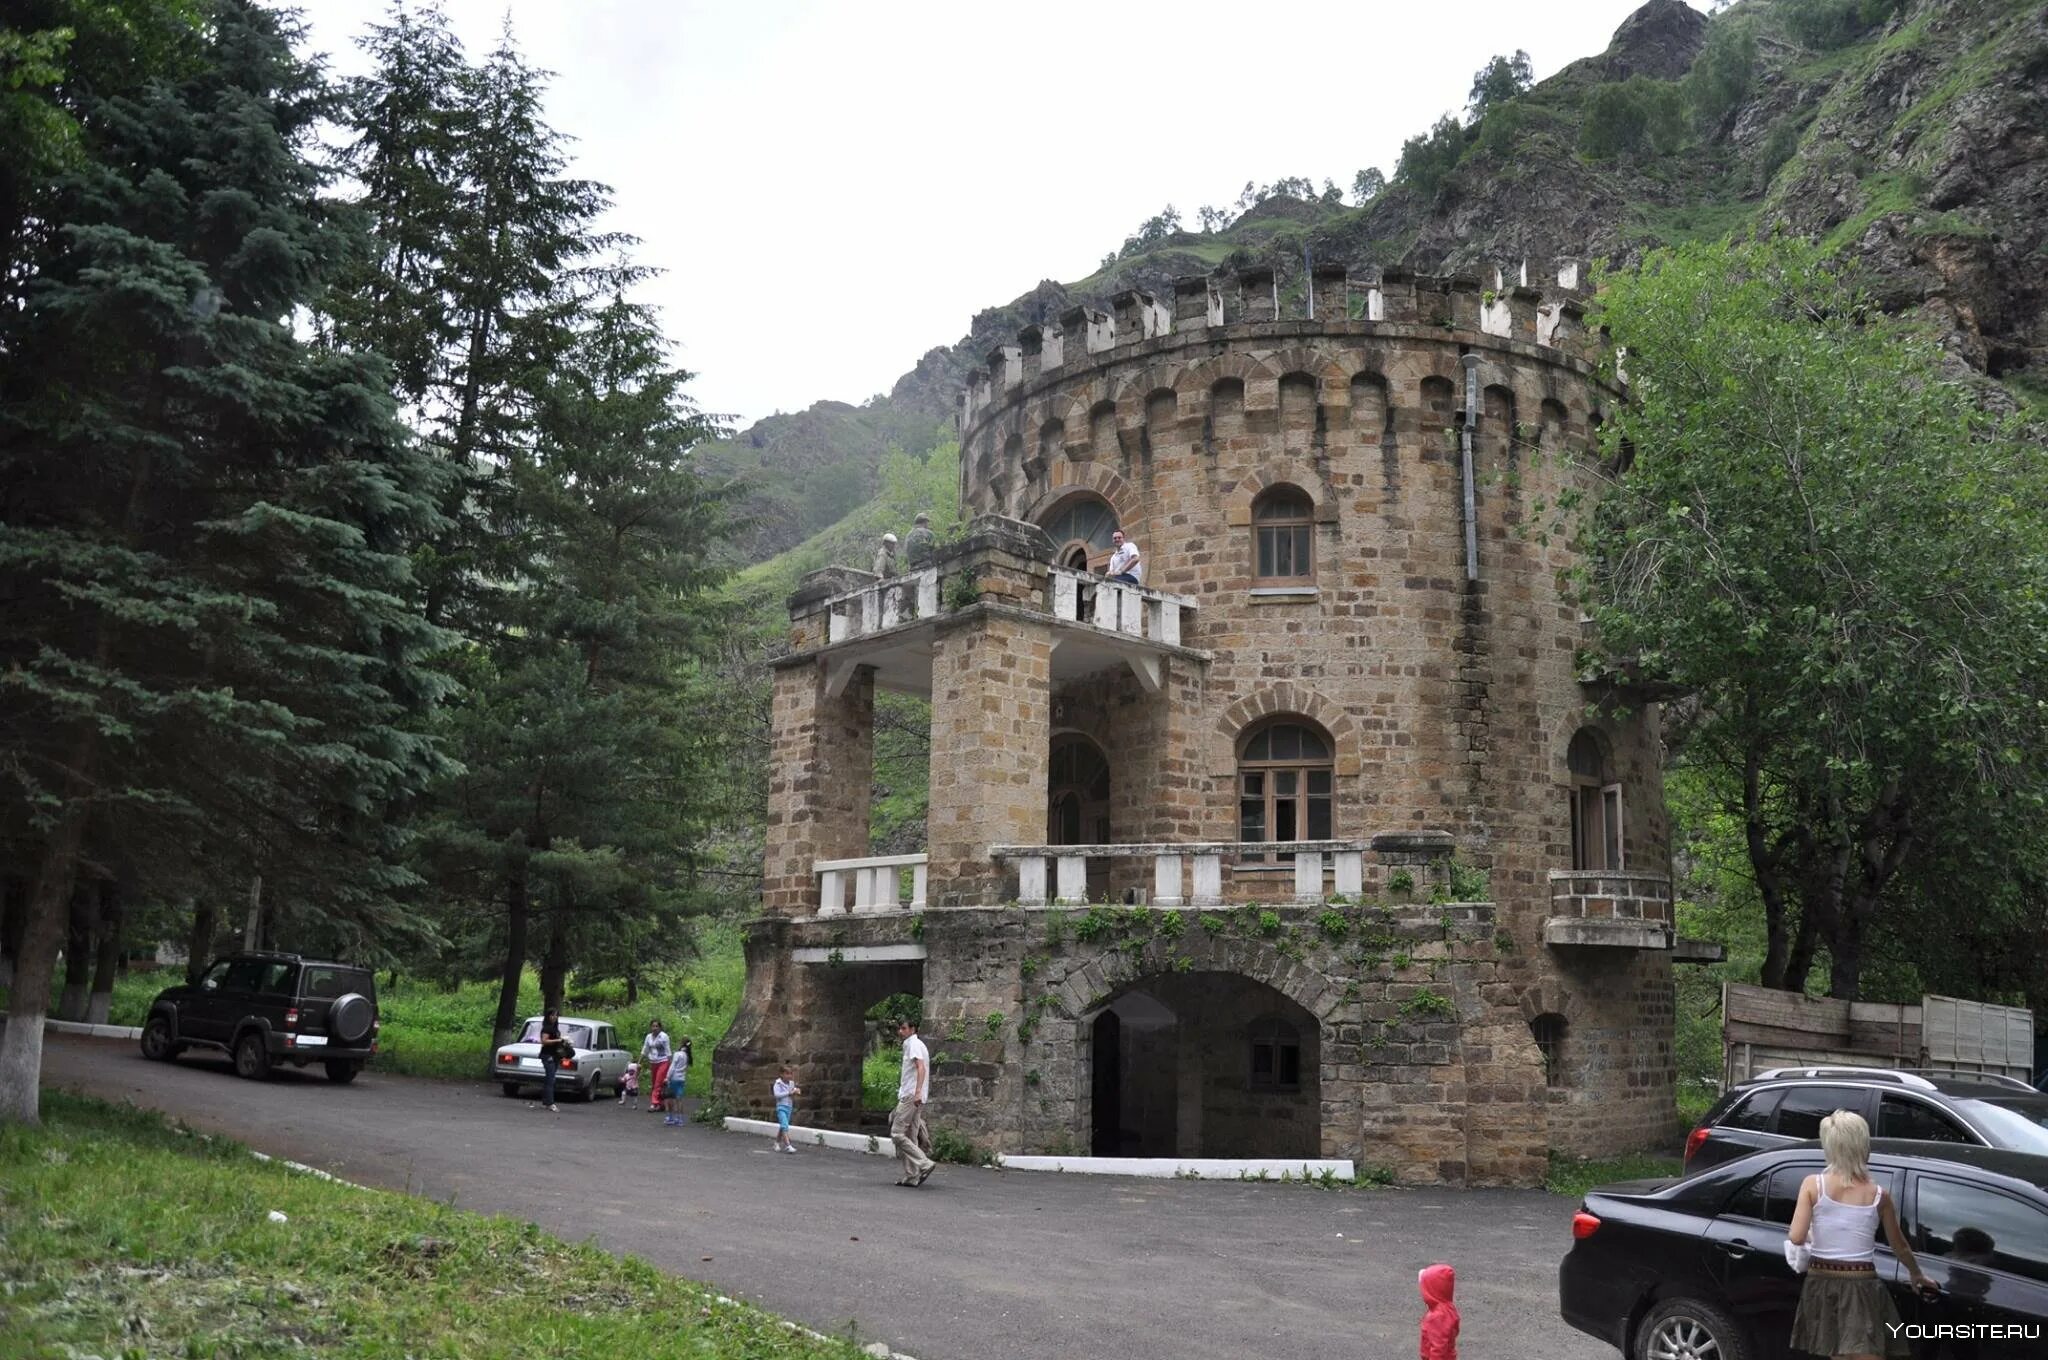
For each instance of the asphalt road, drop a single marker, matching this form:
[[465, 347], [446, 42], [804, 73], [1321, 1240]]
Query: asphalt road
[[976, 1265]]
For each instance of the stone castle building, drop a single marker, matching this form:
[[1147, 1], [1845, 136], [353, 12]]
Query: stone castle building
[[1323, 842]]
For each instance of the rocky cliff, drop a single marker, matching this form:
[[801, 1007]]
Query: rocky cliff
[[1910, 135]]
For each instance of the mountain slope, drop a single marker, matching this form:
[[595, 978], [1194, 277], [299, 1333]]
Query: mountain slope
[[1912, 135]]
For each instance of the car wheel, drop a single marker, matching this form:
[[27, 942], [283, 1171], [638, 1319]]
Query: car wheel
[[510, 1088], [589, 1093], [252, 1059], [1687, 1329], [157, 1044], [342, 1071]]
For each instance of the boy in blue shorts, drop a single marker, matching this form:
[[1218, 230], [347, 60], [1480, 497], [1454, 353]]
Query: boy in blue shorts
[[786, 1092]]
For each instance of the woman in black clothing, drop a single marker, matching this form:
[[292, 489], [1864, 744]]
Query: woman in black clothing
[[551, 1047]]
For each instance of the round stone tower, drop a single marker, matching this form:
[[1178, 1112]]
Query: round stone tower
[[1320, 839]]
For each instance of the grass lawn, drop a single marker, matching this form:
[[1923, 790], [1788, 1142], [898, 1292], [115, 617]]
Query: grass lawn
[[431, 1031], [1574, 1176], [123, 1236]]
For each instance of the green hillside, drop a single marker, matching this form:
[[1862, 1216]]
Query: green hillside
[[1904, 133]]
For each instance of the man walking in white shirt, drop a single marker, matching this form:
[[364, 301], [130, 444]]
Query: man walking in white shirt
[[911, 1091], [1125, 565]]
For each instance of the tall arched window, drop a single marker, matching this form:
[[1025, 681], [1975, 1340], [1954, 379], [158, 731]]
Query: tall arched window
[[1283, 538], [1284, 772], [1077, 792], [1079, 529], [1595, 804]]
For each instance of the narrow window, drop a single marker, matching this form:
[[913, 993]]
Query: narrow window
[[1549, 1030], [1283, 521]]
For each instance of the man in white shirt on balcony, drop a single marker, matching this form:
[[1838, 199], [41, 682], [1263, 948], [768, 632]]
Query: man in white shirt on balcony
[[1125, 565]]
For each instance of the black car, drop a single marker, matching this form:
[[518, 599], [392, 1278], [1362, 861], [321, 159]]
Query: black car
[[265, 1008], [1694, 1268], [1786, 1105]]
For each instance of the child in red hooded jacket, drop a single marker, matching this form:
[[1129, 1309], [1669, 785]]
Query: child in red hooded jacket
[[1440, 1323]]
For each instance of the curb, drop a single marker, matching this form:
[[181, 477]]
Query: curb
[[93, 1031], [874, 1144], [1156, 1168]]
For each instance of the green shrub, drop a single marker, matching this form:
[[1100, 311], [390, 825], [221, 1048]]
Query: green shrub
[[951, 1146]]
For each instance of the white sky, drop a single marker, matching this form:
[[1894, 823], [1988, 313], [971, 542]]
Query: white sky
[[833, 189]]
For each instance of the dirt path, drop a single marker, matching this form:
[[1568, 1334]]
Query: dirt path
[[978, 1264]]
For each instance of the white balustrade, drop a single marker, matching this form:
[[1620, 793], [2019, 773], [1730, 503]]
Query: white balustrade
[[877, 882], [1134, 611], [1064, 869], [884, 603]]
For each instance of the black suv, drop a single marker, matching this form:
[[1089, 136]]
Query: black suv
[[1786, 1104], [263, 1008]]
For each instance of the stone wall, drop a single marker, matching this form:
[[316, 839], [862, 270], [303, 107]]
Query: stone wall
[[1450, 702], [1422, 1061]]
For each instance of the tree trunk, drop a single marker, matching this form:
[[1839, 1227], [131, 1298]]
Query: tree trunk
[[108, 962], [78, 936], [554, 967], [21, 1043], [517, 909], [199, 945], [13, 919], [252, 926], [632, 989]]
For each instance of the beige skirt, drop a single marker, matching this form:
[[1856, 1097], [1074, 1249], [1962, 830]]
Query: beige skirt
[[1847, 1313]]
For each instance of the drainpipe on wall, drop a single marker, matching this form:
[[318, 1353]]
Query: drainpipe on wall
[[1471, 362]]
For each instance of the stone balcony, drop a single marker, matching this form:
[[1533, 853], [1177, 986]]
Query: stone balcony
[[1609, 908], [888, 623]]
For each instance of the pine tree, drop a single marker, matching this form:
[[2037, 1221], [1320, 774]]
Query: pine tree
[[588, 773], [211, 645]]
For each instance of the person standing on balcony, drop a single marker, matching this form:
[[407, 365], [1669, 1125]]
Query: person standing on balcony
[[919, 544], [1125, 565], [912, 1090], [885, 557]]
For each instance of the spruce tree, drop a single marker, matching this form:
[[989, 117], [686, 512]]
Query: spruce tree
[[587, 770], [211, 645]]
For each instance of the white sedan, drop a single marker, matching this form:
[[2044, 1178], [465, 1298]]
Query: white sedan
[[599, 1059]]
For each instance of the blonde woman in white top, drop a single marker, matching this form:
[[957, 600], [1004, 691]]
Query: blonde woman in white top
[[1844, 1308]]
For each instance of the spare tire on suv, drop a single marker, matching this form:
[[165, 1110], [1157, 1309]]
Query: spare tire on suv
[[265, 1009]]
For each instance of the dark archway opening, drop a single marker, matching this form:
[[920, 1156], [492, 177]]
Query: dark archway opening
[[1205, 1065]]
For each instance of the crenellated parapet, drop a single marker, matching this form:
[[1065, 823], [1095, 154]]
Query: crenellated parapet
[[1502, 304]]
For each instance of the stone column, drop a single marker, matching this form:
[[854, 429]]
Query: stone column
[[991, 735], [991, 710], [821, 771]]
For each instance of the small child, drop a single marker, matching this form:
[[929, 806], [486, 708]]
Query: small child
[[786, 1092], [672, 1089], [1440, 1321], [629, 1085]]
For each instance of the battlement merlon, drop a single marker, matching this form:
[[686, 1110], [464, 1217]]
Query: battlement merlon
[[1551, 316]]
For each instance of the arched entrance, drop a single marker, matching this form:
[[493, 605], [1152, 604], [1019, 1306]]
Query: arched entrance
[[1076, 792], [1079, 528], [1204, 1064]]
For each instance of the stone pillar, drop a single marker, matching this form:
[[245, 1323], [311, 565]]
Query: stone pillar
[[821, 772], [991, 711], [991, 735]]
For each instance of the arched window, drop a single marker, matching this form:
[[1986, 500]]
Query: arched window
[[1595, 804], [1283, 538], [1275, 1054], [1077, 788], [1284, 774], [1548, 1030], [1079, 529]]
